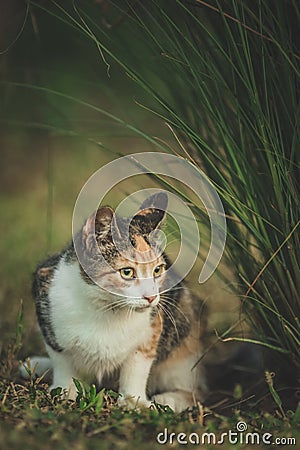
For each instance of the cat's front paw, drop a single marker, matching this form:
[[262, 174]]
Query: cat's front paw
[[178, 401], [133, 402], [69, 393]]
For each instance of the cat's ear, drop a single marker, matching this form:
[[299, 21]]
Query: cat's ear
[[103, 219], [154, 209], [99, 222]]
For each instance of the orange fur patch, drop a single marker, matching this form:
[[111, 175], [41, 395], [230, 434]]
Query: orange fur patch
[[145, 212], [149, 350], [141, 244]]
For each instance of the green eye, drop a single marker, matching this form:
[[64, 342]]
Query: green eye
[[127, 273], [158, 270]]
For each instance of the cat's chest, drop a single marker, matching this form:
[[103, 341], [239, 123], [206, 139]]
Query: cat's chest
[[110, 337], [100, 346]]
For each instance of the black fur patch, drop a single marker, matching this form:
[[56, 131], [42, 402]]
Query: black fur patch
[[40, 289], [176, 324]]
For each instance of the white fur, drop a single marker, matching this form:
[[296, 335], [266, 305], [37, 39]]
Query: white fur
[[133, 379], [174, 378], [95, 340], [176, 400], [176, 374]]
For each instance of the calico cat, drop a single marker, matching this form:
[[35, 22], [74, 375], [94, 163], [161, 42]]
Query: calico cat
[[150, 339]]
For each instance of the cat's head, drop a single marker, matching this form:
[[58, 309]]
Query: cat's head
[[133, 267]]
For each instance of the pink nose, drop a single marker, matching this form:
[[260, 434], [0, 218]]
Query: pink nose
[[150, 299]]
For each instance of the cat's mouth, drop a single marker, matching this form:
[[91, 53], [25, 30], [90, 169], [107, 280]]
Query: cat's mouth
[[141, 308], [145, 303]]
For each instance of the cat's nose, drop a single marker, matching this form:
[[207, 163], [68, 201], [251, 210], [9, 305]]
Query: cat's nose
[[150, 299]]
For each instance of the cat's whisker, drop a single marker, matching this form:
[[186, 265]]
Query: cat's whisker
[[171, 318], [132, 310], [160, 317], [112, 306], [108, 307], [176, 288], [170, 299], [173, 305], [129, 312]]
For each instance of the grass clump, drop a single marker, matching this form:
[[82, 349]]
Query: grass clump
[[31, 417]]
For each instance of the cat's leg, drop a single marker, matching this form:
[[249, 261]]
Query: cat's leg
[[134, 375], [63, 373], [179, 384]]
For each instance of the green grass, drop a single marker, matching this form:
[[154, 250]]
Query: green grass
[[46, 422], [34, 418]]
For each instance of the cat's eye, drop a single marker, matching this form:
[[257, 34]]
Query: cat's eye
[[127, 273], [158, 270]]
